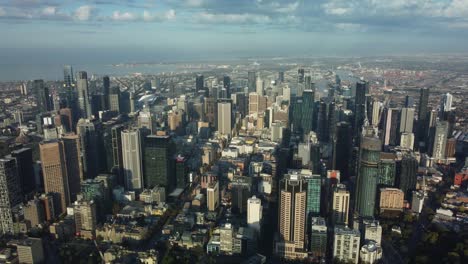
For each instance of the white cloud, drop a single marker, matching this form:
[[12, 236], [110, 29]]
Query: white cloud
[[205, 17], [124, 16], [83, 13], [150, 17], [49, 11]]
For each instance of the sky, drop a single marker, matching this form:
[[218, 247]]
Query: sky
[[152, 30]]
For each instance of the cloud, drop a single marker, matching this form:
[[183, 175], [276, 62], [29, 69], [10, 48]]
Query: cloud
[[231, 18], [84, 13]]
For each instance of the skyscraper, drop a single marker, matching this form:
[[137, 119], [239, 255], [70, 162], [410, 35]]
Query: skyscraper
[[366, 186], [314, 187], [251, 82], [440, 140], [89, 139], [199, 83], [292, 217], [346, 244], [212, 193], [408, 174], [326, 120], [227, 85], [406, 120], [159, 162], [106, 92], [225, 117], [71, 144], [318, 237], [362, 88], [83, 95], [387, 170], [10, 194], [300, 75], [340, 206], [24, 161], [68, 79], [54, 169], [254, 212], [114, 100], [391, 127], [307, 114], [132, 159], [342, 151], [41, 92], [423, 114]]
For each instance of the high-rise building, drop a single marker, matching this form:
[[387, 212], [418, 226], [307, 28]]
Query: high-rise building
[[362, 89], [281, 76], [308, 101], [314, 187], [227, 85], [30, 251], [54, 169], [145, 120], [406, 120], [407, 140], [41, 92], [376, 111], [199, 83], [440, 140], [292, 216], [34, 212], [10, 194], [254, 212], [446, 103], [390, 132], [71, 144], [132, 159], [106, 92], [423, 114], [342, 150], [225, 117], [260, 86], [240, 193], [300, 75], [326, 120], [366, 186], [318, 237], [340, 206], [159, 162], [85, 217], [117, 156], [387, 170], [408, 174], [371, 252], [114, 100], [372, 231], [24, 161], [212, 193], [90, 143], [346, 244], [83, 95], [68, 79], [181, 172], [251, 82]]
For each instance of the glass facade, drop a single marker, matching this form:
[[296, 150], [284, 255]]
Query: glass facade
[[159, 162], [387, 171], [314, 186]]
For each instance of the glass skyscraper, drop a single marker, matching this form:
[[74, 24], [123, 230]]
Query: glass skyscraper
[[314, 186], [159, 162]]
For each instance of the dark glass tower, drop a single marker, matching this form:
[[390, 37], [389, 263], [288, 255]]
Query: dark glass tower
[[158, 162], [199, 83], [408, 174], [423, 114], [41, 92], [227, 85], [343, 148], [252, 81], [105, 92], [366, 186], [181, 172], [326, 120], [362, 88], [307, 110], [24, 161], [300, 75], [387, 172]]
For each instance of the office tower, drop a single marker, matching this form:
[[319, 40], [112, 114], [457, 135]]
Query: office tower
[[212, 193], [409, 102], [417, 202], [281, 76], [257, 104], [242, 103], [24, 162], [114, 100], [159, 162], [132, 159], [145, 120], [340, 206], [346, 244], [41, 92], [260, 86], [408, 174], [342, 151], [314, 187], [226, 235], [292, 217], [68, 76], [225, 117], [308, 83], [318, 237], [362, 88], [390, 133], [106, 91], [83, 95], [308, 102], [406, 120], [117, 155], [440, 140], [240, 193], [54, 169], [71, 144], [366, 186], [387, 170], [64, 118], [446, 103], [85, 217], [326, 120], [227, 86], [251, 82], [370, 252], [10, 194], [30, 251], [391, 199], [375, 114], [423, 114], [209, 110], [181, 172], [254, 213], [34, 212], [277, 130], [407, 140], [90, 143], [295, 112], [300, 75], [199, 83]]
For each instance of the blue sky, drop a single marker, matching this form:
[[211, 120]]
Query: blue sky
[[196, 29]]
